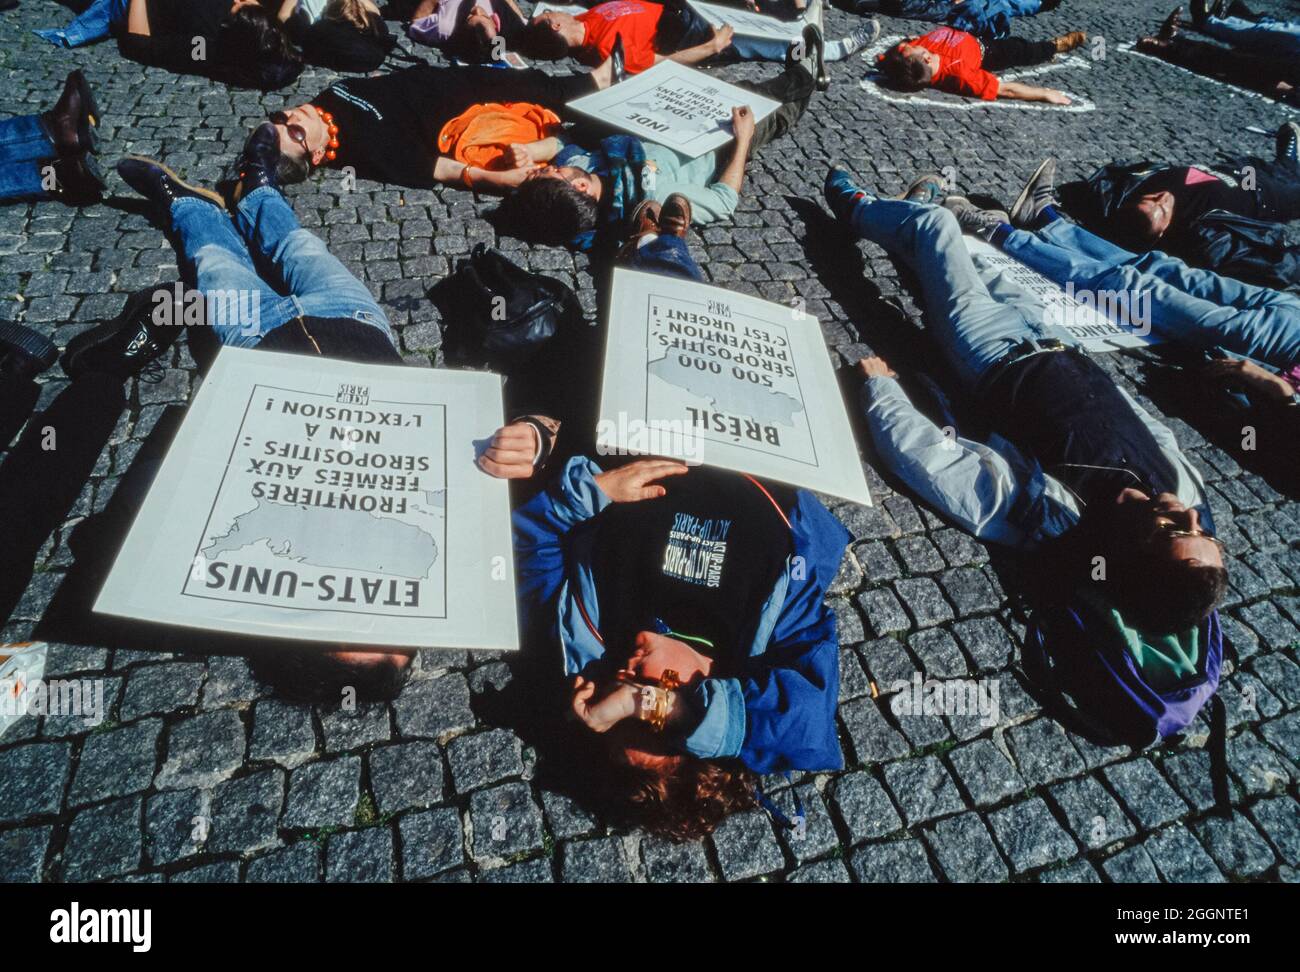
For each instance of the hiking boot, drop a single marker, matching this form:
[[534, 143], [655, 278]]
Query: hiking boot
[[71, 122], [1288, 142], [1039, 192], [843, 194], [125, 345], [925, 188], [972, 219], [1068, 42], [675, 219], [258, 161], [1172, 24], [159, 184]]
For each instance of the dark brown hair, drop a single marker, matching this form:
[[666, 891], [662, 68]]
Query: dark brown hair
[[540, 41], [680, 797], [904, 71]]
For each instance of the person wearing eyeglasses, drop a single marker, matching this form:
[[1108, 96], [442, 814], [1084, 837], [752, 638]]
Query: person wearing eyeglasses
[[1078, 474]]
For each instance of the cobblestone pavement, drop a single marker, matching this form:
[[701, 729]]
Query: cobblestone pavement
[[437, 785]]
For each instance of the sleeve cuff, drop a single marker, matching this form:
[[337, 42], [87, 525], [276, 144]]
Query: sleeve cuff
[[721, 731], [575, 496]]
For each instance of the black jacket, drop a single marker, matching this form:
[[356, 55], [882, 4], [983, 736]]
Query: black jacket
[[1251, 250]]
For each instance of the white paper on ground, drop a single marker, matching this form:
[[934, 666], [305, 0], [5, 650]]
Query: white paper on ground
[[709, 375], [1007, 278], [674, 105], [323, 500], [750, 24]]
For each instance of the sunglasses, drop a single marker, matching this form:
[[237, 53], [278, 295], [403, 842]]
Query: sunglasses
[[296, 132], [1166, 530]]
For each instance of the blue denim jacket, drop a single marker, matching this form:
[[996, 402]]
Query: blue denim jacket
[[778, 712]]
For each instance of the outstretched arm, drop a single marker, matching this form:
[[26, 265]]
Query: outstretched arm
[[1030, 92]]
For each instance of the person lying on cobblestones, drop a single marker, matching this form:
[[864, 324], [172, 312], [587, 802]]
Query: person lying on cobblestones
[[473, 31], [327, 311], [1275, 75], [957, 62], [343, 35], [1226, 222], [389, 128], [1238, 26], [52, 155], [689, 606], [1193, 307], [986, 19], [235, 41], [674, 31], [587, 190], [1078, 470]]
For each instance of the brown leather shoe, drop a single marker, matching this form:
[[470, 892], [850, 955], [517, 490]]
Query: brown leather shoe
[[1068, 42], [675, 219], [71, 122], [644, 220]]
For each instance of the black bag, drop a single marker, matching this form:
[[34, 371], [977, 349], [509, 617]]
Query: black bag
[[498, 314]]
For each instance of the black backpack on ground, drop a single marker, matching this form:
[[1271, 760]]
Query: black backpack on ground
[[498, 314]]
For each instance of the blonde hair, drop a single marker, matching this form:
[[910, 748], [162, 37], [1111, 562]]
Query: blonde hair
[[353, 12]]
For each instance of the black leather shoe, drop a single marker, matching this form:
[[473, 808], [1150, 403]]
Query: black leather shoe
[[258, 161], [71, 122], [79, 180], [815, 45], [159, 184], [617, 67], [125, 345], [24, 353]]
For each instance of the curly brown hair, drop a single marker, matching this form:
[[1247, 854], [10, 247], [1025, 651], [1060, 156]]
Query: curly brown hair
[[671, 794]]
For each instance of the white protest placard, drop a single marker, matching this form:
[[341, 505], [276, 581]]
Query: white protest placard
[[747, 23], [1074, 315], [322, 500], [686, 110], [711, 376]]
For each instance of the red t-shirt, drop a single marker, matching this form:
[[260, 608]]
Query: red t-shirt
[[636, 20], [960, 60]]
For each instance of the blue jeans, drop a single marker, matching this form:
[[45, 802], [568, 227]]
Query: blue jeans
[[667, 255], [95, 23], [242, 307], [1266, 36], [974, 329], [1193, 306], [24, 145]]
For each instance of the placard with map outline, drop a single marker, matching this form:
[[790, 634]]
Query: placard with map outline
[[704, 374], [322, 500], [674, 105]]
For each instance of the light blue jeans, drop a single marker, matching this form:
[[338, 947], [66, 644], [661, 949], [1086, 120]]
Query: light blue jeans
[[1266, 36], [95, 23], [1192, 306], [24, 144], [242, 306], [974, 329]]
